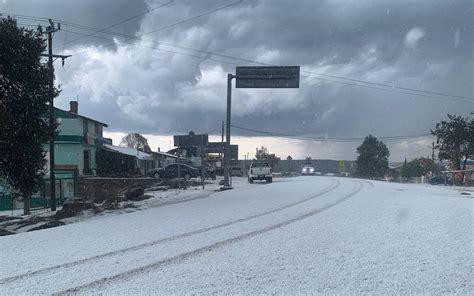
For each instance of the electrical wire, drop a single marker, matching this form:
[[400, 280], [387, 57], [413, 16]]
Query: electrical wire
[[328, 139], [381, 86], [311, 77], [123, 21]]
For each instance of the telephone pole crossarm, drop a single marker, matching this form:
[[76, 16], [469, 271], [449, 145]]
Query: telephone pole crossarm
[[58, 56]]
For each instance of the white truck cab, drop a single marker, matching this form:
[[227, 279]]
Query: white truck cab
[[260, 170]]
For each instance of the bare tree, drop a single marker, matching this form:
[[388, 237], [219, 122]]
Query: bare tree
[[136, 141]]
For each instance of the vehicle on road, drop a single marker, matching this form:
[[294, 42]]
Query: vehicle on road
[[330, 174], [307, 170], [260, 170], [237, 171], [171, 171], [318, 174], [436, 180]]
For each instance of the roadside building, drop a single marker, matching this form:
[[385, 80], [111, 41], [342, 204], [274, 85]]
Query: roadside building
[[118, 161], [77, 141]]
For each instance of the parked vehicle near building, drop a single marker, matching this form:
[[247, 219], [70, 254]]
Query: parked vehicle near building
[[237, 171], [436, 180], [307, 170], [260, 170], [171, 171]]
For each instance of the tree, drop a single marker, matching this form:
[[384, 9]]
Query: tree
[[455, 140], [420, 166], [263, 154], [136, 141], [411, 169], [24, 95], [289, 159], [373, 158]]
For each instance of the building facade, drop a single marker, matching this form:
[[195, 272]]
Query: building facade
[[77, 141]]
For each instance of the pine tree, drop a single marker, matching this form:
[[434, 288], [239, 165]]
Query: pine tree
[[24, 95], [373, 158]]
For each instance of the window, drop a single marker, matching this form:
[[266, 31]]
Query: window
[[98, 130], [85, 127]]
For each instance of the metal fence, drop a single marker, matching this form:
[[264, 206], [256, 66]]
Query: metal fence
[[65, 188]]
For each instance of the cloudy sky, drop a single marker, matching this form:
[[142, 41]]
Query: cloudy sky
[[159, 68]]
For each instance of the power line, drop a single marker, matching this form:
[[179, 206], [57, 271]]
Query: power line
[[267, 64], [237, 64], [123, 21], [329, 139], [175, 24], [380, 86]]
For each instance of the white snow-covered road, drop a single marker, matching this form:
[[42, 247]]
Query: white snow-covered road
[[307, 234]]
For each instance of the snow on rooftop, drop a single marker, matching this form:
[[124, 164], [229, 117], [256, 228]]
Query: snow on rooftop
[[128, 151]]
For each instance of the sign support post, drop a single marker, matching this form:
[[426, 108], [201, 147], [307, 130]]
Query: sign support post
[[227, 134], [202, 163], [179, 169], [255, 77]]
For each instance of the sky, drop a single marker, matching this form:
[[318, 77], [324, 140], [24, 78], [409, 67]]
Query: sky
[[159, 67]]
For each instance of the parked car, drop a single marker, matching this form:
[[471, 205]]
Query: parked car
[[318, 174], [436, 180], [237, 171], [307, 170], [171, 171], [330, 174], [260, 170]]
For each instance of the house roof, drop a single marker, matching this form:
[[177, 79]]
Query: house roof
[[165, 154], [69, 114], [128, 151]]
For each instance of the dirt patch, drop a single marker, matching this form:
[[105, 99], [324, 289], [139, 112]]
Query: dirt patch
[[4, 232], [49, 224], [8, 218]]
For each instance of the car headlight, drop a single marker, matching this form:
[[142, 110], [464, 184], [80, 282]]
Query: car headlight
[[311, 170]]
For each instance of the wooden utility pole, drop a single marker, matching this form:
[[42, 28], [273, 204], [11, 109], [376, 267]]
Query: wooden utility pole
[[50, 30], [432, 153]]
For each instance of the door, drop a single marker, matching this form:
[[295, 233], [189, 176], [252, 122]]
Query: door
[[87, 161]]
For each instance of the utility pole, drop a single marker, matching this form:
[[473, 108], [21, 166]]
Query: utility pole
[[222, 135], [52, 178], [432, 153], [227, 156], [222, 141]]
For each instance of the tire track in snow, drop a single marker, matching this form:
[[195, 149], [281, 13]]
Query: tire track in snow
[[182, 257], [30, 274]]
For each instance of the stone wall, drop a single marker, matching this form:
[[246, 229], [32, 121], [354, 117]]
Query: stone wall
[[98, 189]]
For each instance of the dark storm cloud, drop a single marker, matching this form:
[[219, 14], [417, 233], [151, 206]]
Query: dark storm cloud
[[418, 44], [92, 13]]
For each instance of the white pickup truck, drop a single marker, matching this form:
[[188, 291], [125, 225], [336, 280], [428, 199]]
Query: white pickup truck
[[260, 170]]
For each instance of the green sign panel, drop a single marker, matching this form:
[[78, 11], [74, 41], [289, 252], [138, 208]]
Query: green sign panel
[[267, 77]]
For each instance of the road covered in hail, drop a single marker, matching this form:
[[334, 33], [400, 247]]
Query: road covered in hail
[[305, 234]]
